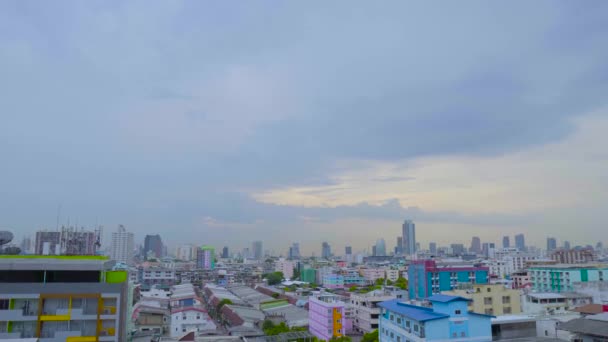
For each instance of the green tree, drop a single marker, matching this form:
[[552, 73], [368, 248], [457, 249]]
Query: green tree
[[274, 278], [380, 281], [370, 336], [341, 339], [222, 303], [277, 329], [267, 325], [401, 283]]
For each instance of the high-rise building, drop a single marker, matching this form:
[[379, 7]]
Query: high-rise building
[[327, 316], [79, 241], [551, 244], [225, 254], [257, 250], [380, 247], [348, 250], [426, 277], [294, 251], [26, 245], [374, 250], [153, 247], [399, 246], [74, 298], [506, 242], [476, 245], [325, 250], [48, 243], [520, 242], [433, 248], [186, 252], [457, 249], [122, 246], [409, 237], [566, 244], [205, 258]]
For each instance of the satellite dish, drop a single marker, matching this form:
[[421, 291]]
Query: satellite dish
[[11, 250], [5, 237]]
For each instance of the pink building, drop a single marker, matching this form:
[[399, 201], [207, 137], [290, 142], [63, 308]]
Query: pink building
[[327, 316], [373, 274]]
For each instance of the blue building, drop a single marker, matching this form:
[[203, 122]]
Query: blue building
[[447, 319], [426, 278]]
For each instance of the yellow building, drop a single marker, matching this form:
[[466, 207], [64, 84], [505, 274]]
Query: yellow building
[[490, 299]]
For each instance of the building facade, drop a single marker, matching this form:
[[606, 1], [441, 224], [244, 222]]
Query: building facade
[[62, 298], [367, 311], [409, 237], [122, 246], [326, 316], [426, 278], [153, 247], [205, 258], [448, 319], [562, 277], [491, 299], [47, 243]]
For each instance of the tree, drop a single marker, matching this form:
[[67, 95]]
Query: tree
[[222, 303], [341, 339], [274, 278], [380, 281], [267, 325], [370, 336], [277, 329], [401, 283]]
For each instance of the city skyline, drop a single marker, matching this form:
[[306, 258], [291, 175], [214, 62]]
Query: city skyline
[[199, 122]]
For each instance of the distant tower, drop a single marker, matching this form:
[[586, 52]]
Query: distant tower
[[566, 244], [257, 250], [122, 246], [409, 237], [520, 242], [225, 254], [294, 251], [476, 245], [506, 243], [205, 258], [153, 245], [325, 250], [433, 248], [551, 244], [380, 247]]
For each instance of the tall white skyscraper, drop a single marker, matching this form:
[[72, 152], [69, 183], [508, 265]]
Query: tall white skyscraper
[[122, 246], [409, 237]]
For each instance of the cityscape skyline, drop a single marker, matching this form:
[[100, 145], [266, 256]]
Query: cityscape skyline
[[228, 124]]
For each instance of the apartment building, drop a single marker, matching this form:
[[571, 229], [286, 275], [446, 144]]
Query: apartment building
[[447, 319], [327, 316], [550, 303], [366, 309], [562, 277], [426, 277], [490, 299], [62, 298]]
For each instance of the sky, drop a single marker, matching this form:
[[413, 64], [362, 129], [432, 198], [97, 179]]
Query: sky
[[223, 123]]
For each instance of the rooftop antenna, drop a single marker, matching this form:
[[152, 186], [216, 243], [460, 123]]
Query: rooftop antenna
[[58, 215]]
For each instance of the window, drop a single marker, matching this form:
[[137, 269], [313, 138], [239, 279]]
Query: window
[[489, 289], [392, 335], [454, 335], [506, 310], [416, 327], [4, 304], [506, 300], [392, 317], [398, 320], [487, 300], [398, 338], [457, 312], [462, 334], [489, 311]]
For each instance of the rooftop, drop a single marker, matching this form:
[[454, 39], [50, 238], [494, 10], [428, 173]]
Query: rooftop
[[441, 298], [417, 313], [55, 262], [586, 327]]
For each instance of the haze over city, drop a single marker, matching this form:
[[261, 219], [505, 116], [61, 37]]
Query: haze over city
[[217, 124]]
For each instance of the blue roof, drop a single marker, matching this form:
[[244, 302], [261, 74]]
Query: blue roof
[[417, 313], [446, 299]]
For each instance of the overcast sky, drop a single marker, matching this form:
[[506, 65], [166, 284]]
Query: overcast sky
[[303, 121]]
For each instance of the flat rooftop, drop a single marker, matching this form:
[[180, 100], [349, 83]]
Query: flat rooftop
[[55, 263]]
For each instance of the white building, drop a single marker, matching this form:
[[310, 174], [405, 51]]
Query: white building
[[549, 303], [392, 274], [373, 274], [189, 319], [122, 246], [185, 252], [286, 267], [366, 310]]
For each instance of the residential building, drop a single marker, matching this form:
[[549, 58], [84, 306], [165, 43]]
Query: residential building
[[573, 256], [562, 277], [521, 279], [566, 244], [150, 276], [392, 274], [380, 247], [447, 319], [367, 311], [520, 242], [426, 277], [457, 249], [308, 275], [409, 237], [433, 248], [490, 299], [550, 303], [286, 267], [326, 316], [333, 281], [153, 247], [225, 253], [205, 257], [373, 274], [123, 246], [185, 252], [48, 243], [587, 329], [59, 298], [187, 319], [294, 251], [79, 241]]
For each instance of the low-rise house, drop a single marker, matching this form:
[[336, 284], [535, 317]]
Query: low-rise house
[[187, 319], [549, 303]]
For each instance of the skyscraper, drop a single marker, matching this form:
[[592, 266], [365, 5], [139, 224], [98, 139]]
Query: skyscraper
[[348, 250], [380, 247], [325, 250], [506, 242], [122, 246], [225, 253], [433, 248], [294, 251], [409, 237], [257, 250], [153, 246], [520, 242], [551, 244], [399, 246], [476, 245], [205, 257], [566, 244]]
